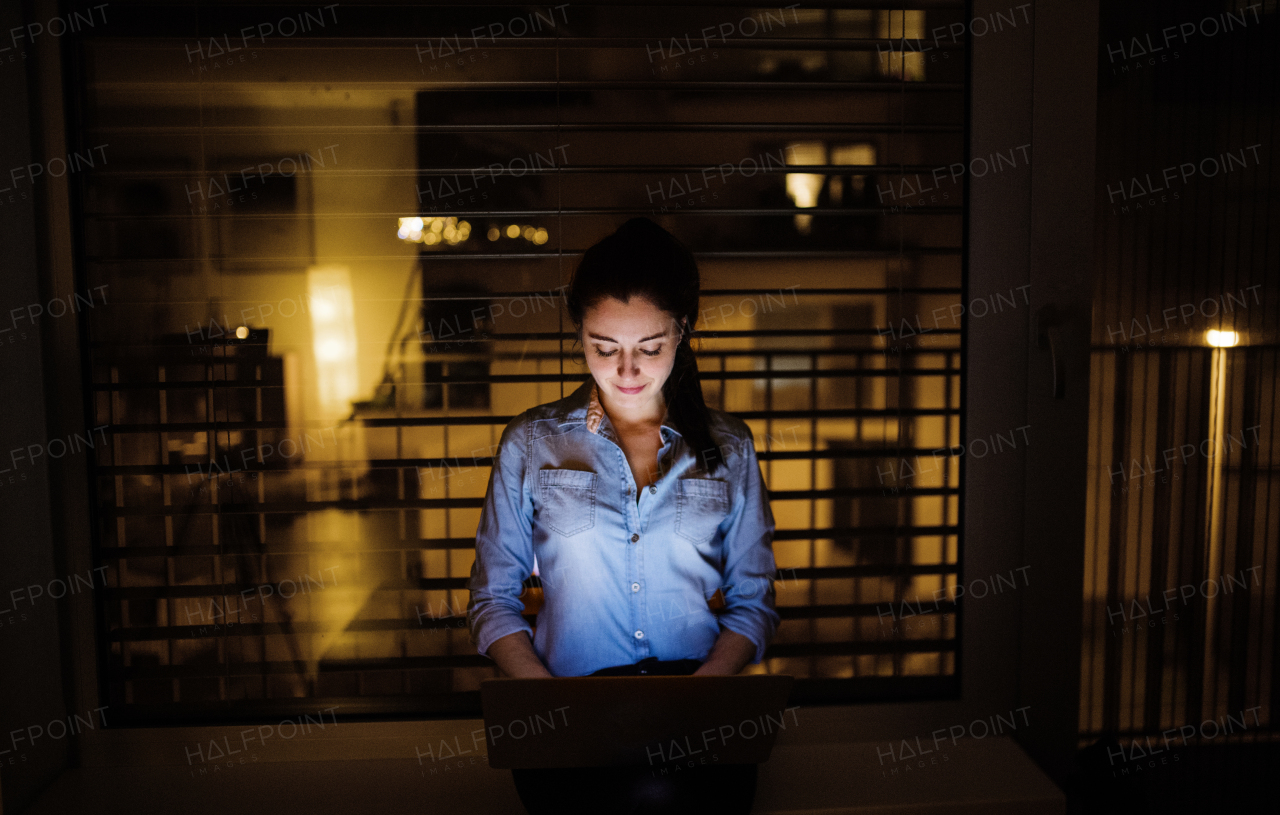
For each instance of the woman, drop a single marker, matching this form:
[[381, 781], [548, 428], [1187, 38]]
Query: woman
[[642, 506]]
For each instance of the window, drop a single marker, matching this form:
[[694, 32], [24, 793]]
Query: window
[[335, 259]]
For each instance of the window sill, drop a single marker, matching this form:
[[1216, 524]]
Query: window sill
[[842, 778]]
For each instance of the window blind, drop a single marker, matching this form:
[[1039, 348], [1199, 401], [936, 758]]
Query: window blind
[[335, 241]]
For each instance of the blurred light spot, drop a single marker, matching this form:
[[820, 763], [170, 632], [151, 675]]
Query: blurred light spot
[[333, 333], [1222, 339], [803, 188]]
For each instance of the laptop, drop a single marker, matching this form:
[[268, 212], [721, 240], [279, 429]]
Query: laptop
[[656, 721]]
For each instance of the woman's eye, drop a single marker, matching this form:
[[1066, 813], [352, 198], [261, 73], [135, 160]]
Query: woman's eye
[[600, 353]]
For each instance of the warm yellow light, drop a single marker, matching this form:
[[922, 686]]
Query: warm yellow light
[[1221, 339], [803, 188], [322, 309], [854, 154], [242, 333], [905, 62], [513, 231], [331, 350], [410, 229], [333, 338], [435, 230], [494, 234], [540, 237]]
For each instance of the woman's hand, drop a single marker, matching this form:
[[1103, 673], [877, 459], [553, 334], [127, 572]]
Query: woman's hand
[[730, 655], [516, 658]]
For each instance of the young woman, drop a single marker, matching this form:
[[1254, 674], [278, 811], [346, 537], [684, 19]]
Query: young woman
[[642, 506]]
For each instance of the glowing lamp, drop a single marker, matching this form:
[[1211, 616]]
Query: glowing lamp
[[1221, 339]]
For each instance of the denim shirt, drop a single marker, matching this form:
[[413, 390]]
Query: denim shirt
[[622, 579]]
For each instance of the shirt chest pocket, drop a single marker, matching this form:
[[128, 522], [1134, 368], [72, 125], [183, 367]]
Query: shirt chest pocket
[[701, 504], [568, 500]]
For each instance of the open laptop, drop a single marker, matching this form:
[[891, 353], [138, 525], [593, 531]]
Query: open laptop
[[602, 721]]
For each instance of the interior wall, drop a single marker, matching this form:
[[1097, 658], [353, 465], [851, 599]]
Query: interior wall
[[31, 665]]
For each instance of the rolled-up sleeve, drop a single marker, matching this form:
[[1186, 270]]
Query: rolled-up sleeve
[[504, 545], [749, 567]]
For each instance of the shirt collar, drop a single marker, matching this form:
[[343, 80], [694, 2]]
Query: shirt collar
[[584, 406]]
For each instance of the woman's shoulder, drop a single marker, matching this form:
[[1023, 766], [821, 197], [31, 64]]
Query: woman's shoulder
[[547, 418], [731, 434]]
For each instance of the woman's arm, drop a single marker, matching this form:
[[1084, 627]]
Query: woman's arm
[[728, 656], [750, 614], [515, 656], [504, 558]]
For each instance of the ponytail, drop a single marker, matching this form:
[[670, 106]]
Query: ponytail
[[688, 408]]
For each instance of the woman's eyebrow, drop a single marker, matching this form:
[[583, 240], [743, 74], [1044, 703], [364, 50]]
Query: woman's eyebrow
[[611, 339]]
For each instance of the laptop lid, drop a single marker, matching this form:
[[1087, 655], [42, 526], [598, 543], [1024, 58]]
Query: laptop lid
[[658, 721]]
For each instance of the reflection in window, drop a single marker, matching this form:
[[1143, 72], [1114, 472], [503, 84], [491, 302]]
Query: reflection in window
[[308, 362]]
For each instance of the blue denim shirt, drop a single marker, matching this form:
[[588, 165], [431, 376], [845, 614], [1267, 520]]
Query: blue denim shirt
[[622, 580]]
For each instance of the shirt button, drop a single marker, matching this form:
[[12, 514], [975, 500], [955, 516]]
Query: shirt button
[[635, 538], [639, 635], [635, 587], [652, 489]]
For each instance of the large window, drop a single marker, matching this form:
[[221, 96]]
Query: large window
[[333, 259], [1181, 618]]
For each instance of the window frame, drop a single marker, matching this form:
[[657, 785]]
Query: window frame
[[1003, 227]]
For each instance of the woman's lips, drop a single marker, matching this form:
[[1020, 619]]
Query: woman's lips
[[631, 390]]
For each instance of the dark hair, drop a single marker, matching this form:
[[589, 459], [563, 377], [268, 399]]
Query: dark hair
[[641, 259]]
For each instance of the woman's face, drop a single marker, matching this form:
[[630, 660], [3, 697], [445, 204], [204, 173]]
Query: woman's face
[[630, 349]]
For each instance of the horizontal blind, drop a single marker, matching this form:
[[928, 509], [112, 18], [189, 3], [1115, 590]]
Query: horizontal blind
[[1182, 624], [334, 259]]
